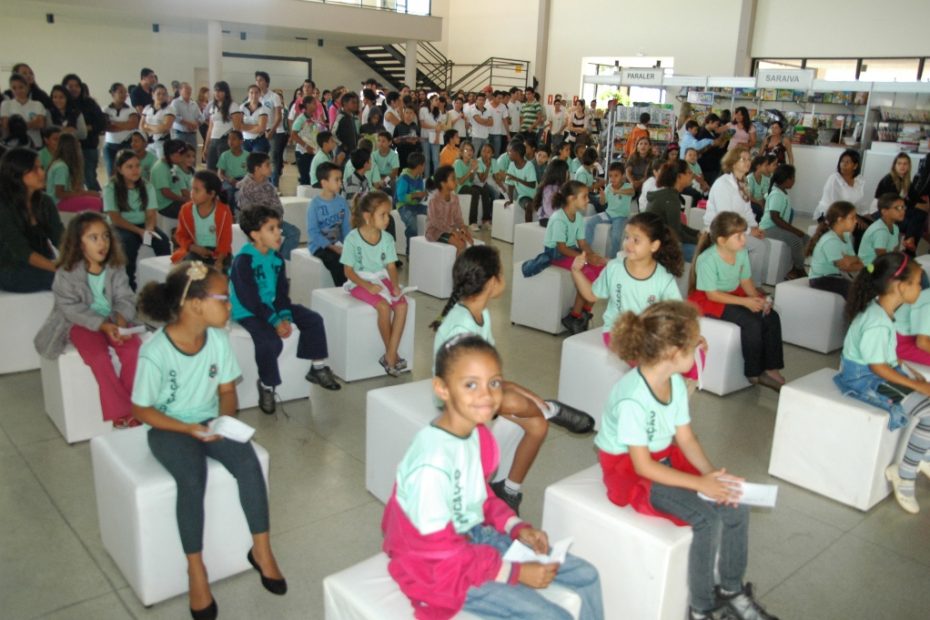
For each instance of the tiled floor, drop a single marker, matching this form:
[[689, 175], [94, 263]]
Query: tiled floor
[[811, 558]]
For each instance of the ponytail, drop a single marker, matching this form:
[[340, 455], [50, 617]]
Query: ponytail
[[568, 189], [874, 280], [837, 211], [470, 273], [161, 301]]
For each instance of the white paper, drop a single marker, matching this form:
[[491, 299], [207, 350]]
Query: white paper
[[129, 331], [752, 494], [230, 428], [147, 238], [699, 363], [519, 552]]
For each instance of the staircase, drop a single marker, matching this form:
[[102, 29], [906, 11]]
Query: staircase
[[434, 70]]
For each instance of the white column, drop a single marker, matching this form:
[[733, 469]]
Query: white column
[[215, 51], [742, 62], [538, 68], [410, 64]]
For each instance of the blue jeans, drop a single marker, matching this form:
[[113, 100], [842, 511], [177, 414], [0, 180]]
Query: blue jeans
[[91, 160], [257, 145], [497, 142], [478, 143], [617, 225], [859, 382], [687, 250], [291, 239], [110, 150], [706, 519], [431, 153], [408, 214], [500, 600]]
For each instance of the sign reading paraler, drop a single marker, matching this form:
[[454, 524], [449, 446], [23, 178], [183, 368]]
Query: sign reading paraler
[[791, 79], [639, 76]]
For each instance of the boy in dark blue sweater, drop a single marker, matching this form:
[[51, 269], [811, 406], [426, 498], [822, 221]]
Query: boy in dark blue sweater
[[258, 292], [329, 220]]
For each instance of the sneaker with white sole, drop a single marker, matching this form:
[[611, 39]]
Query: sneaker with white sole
[[907, 502], [924, 468], [743, 605]]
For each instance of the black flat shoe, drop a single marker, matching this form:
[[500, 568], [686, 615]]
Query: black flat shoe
[[275, 586], [210, 612]]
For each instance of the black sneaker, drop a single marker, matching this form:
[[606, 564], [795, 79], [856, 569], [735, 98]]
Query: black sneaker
[[571, 419], [323, 377], [265, 398], [721, 613], [574, 325], [511, 499], [743, 606]]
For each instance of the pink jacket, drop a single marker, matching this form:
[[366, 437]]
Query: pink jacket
[[436, 570], [443, 216]]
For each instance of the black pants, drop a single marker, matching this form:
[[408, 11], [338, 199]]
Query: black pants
[[173, 210], [311, 343], [131, 244], [303, 168], [26, 279], [185, 458], [478, 193], [914, 226], [278, 144], [331, 262], [833, 284], [760, 337]]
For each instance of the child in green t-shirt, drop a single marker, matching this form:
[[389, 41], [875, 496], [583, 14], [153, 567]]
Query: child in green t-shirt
[[232, 167]]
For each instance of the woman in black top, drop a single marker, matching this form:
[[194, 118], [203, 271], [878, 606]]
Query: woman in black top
[[900, 182], [407, 136], [96, 122], [29, 224]]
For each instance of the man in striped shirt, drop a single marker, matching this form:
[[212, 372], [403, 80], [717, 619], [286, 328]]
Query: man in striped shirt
[[531, 114]]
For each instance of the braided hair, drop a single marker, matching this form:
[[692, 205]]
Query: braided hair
[[470, 273]]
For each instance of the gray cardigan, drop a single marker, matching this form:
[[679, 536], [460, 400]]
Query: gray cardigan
[[73, 298]]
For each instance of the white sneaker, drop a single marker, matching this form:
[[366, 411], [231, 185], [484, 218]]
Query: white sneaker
[[924, 468], [907, 502], [474, 227]]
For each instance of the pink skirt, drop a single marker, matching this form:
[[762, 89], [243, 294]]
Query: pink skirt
[[909, 351], [590, 271], [373, 299]]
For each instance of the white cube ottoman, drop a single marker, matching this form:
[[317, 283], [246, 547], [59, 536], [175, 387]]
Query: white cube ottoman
[[541, 301], [528, 239], [366, 591], [393, 415], [166, 225], [400, 239], [502, 224], [588, 372], [295, 213], [307, 273], [308, 192], [352, 334], [430, 267], [239, 239], [642, 560], [136, 500], [152, 269], [72, 399], [23, 315], [293, 384], [696, 218], [810, 318], [832, 444], [779, 262], [723, 368], [465, 207]]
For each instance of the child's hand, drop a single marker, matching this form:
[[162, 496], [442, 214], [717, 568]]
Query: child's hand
[[111, 330], [284, 328], [535, 539], [579, 262], [721, 488], [756, 304], [373, 288], [597, 260], [201, 432], [336, 248], [536, 575], [757, 232]]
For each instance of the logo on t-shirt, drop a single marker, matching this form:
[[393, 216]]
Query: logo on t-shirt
[[651, 425], [651, 299], [213, 371], [457, 499]]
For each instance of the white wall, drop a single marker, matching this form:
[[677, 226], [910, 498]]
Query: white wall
[[851, 29], [102, 54], [702, 41]]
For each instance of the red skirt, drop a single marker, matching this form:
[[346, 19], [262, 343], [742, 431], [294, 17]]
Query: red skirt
[[627, 488], [712, 308]]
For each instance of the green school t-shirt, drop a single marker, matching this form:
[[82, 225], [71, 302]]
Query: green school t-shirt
[[715, 274], [526, 173], [584, 176], [386, 164], [914, 319], [461, 169], [147, 163], [318, 159], [779, 202], [180, 385], [618, 205], [363, 256], [460, 321], [97, 282], [871, 338], [135, 214], [878, 237], [633, 416], [625, 293], [560, 229], [233, 167], [58, 175], [205, 228], [163, 177], [758, 189], [829, 249]]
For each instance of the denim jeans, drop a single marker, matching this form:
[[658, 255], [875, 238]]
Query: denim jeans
[[257, 145], [478, 143], [706, 519], [687, 250], [858, 381], [500, 600], [110, 150], [431, 153], [291, 239], [617, 225], [217, 147], [497, 142], [278, 144], [408, 214], [91, 161]]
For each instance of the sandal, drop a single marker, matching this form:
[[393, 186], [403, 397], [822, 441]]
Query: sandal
[[391, 370]]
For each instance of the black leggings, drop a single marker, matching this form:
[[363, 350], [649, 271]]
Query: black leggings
[[185, 458], [331, 261], [482, 193], [833, 284], [760, 337]]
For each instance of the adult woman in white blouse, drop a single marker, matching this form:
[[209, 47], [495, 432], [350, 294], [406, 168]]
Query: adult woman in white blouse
[[254, 122], [224, 115], [730, 193], [846, 184], [157, 120]]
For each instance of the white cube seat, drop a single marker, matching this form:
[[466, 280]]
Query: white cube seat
[[810, 318], [528, 239], [588, 372], [465, 207], [308, 192], [503, 222], [779, 262], [72, 399], [293, 384], [696, 218], [295, 213], [421, 225], [23, 316], [166, 224], [723, 368], [395, 414], [352, 335], [366, 591], [642, 560], [541, 301], [400, 239], [831, 444], [307, 273], [152, 269], [136, 499], [431, 266], [239, 239]]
